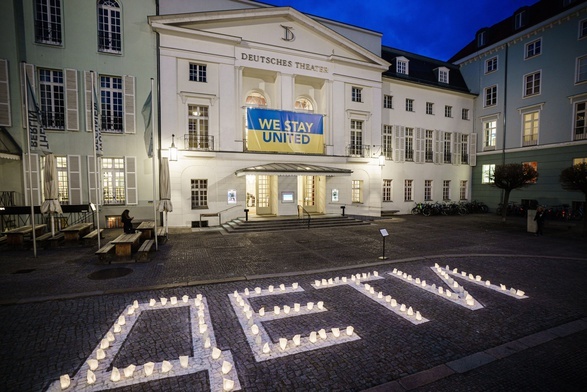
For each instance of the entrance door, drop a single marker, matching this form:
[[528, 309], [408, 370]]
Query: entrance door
[[264, 195]]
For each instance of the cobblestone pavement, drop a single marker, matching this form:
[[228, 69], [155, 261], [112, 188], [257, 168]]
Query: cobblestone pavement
[[241, 292]]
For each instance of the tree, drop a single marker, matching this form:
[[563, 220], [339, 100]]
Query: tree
[[574, 178], [512, 176]]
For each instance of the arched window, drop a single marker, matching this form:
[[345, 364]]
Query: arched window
[[256, 99], [109, 26], [304, 104]]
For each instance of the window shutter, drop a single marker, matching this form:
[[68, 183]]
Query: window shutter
[[71, 100], [400, 143], [129, 104], [74, 174], [131, 180], [92, 180], [88, 101], [456, 148], [35, 178], [419, 146], [5, 118], [439, 153], [473, 149], [26, 69]]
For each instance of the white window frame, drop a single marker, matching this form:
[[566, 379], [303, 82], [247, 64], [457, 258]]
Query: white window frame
[[356, 191], [52, 97], [487, 174], [446, 190], [409, 105], [387, 190], [490, 96], [530, 121], [533, 49], [532, 83], [427, 190], [402, 66], [388, 101], [198, 73], [580, 115], [50, 20], [448, 111], [387, 141], [109, 95], [408, 190], [199, 193], [356, 94], [465, 113], [113, 184], [582, 29], [489, 133], [581, 70], [409, 144], [109, 39], [463, 190], [430, 108], [491, 65]]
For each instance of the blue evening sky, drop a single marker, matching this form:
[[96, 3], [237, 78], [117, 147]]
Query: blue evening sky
[[433, 28]]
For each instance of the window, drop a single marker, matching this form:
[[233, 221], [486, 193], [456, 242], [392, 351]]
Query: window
[[387, 141], [409, 105], [356, 94], [256, 99], [583, 29], [447, 111], [113, 182], [387, 190], [429, 145], [580, 127], [581, 69], [465, 114], [446, 190], [534, 165], [62, 179], [465, 149], [533, 48], [489, 134], [111, 99], [357, 191], [402, 66], [532, 84], [388, 101], [199, 194], [491, 65], [480, 39], [487, 174], [427, 190], [409, 144], [577, 161], [520, 20], [429, 108], [109, 27], [443, 75], [52, 98], [490, 96], [446, 149], [263, 191], [198, 73], [356, 147], [304, 104], [463, 190], [531, 122], [198, 137], [408, 190], [48, 22]]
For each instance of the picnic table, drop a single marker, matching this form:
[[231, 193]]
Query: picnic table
[[147, 229], [77, 231], [16, 236], [125, 242]]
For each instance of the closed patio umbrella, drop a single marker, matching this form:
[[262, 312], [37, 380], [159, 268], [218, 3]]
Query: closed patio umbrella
[[51, 193], [164, 191]]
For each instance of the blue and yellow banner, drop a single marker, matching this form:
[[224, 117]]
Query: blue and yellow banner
[[284, 131]]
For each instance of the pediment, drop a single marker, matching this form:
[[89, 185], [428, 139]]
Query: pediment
[[280, 29]]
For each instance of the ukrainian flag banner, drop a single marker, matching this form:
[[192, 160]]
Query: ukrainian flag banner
[[284, 131]]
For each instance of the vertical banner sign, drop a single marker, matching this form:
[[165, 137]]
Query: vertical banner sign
[[146, 112], [284, 131], [98, 133], [37, 135]]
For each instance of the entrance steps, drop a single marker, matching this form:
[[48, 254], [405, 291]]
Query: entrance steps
[[240, 225]]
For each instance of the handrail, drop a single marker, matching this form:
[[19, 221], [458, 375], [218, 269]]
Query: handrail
[[302, 214]]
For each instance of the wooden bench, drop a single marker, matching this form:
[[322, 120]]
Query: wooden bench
[[48, 241], [3, 240], [146, 228], [91, 236], [143, 252], [161, 235], [16, 236], [106, 253], [77, 231], [125, 243]]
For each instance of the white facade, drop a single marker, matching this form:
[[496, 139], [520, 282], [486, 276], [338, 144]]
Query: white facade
[[282, 56]]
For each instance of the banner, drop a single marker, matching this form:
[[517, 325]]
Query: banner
[[284, 131], [37, 135], [147, 114], [97, 127]]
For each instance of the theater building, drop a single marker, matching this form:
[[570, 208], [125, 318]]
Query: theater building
[[272, 109]]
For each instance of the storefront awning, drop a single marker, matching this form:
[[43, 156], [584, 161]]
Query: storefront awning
[[293, 169], [8, 147]]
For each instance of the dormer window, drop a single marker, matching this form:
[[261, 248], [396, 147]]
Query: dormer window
[[442, 74], [481, 38], [402, 65], [520, 20]]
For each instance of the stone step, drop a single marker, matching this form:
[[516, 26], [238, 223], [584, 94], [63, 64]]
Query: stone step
[[242, 226]]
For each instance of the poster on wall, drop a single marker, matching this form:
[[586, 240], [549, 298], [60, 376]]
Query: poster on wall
[[335, 195], [232, 196], [284, 131]]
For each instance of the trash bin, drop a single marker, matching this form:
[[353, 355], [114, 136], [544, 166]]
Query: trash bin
[[531, 224]]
